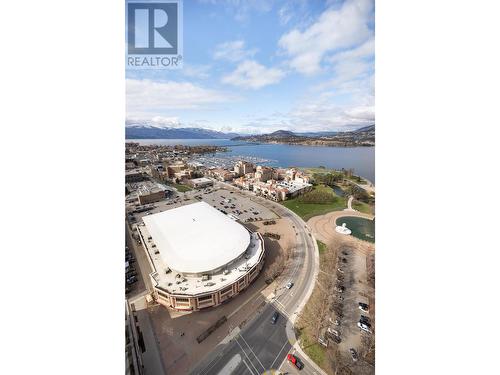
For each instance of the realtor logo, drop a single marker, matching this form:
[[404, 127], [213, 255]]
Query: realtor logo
[[154, 31]]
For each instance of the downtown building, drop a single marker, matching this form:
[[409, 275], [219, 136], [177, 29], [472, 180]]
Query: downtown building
[[200, 257], [242, 168]]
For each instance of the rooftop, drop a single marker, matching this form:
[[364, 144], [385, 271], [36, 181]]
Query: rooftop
[[149, 187], [173, 282], [196, 238], [293, 186], [201, 180]]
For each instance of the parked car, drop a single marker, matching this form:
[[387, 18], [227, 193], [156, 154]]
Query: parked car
[[364, 327], [334, 332], [365, 319], [354, 354], [275, 317], [131, 280], [289, 285], [296, 361], [363, 306], [131, 273]]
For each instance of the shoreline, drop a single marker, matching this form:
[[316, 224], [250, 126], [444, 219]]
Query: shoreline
[[277, 162]]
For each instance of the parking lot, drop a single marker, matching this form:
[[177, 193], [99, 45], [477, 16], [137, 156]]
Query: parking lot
[[356, 291], [351, 287], [232, 203], [235, 204]]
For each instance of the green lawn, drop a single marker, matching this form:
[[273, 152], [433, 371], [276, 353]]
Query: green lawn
[[319, 170], [362, 207], [308, 210], [182, 188], [313, 349], [321, 246], [357, 179]]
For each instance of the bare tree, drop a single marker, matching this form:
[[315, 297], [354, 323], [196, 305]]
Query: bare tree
[[276, 267]]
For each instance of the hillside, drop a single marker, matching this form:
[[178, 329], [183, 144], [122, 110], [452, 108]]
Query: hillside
[[364, 136], [145, 131]]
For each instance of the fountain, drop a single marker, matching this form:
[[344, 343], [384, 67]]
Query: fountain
[[343, 229]]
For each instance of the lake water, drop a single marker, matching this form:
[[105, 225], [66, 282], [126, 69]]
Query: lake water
[[361, 159]]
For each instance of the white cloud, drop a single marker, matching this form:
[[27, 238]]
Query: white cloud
[[296, 10], [285, 14], [196, 71], [363, 113], [151, 96], [233, 51], [365, 50], [321, 114], [335, 29], [251, 74], [353, 72]]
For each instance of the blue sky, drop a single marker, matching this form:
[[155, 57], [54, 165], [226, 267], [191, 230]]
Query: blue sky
[[259, 66]]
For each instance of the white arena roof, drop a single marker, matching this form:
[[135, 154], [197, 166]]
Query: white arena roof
[[196, 238]]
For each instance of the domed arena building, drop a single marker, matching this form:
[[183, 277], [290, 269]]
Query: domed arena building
[[200, 257]]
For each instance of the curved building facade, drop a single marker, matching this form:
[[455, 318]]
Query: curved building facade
[[199, 256]]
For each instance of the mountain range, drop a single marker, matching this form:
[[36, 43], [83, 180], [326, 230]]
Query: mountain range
[[364, 136], [148, 131]]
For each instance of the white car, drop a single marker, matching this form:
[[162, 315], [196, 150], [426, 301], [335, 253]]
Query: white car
[[363, 306], [364, 327], [289, 285]]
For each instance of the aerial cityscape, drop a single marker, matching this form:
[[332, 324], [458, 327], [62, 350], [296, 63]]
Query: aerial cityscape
[[271, 220], [246, 265], [250, 193]]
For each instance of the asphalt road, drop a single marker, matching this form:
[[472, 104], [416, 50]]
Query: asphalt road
[[261, 346]]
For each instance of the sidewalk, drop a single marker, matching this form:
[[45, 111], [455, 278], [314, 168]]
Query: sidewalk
[[349, 204], [151, 356]]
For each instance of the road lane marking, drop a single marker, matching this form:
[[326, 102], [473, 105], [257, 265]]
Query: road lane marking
[[245, 341], [243, 350], [212, 363], [231, 365], [248, 367], [283, 347]]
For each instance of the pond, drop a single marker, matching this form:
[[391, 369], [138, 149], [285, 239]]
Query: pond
[[338, 190], [361, 228]]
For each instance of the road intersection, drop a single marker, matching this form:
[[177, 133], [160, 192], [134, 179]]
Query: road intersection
[[261, 346]]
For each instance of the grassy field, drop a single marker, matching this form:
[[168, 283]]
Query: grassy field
[[321, 246], [318, 170], [181, 188], [362, 207], [308, 210], [313, 349], [357, 179]]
